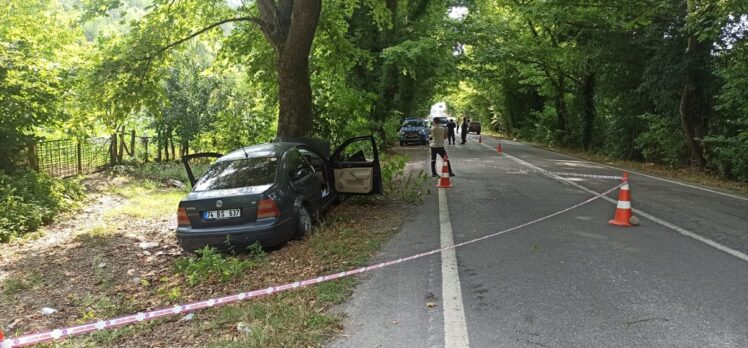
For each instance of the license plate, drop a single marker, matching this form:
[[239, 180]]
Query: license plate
[[411, 135], [221, 214]]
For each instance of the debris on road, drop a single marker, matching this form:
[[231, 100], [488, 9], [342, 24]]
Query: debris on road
[[147, 245], [48, 311]]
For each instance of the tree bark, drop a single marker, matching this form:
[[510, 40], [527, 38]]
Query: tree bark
[[289, 26]]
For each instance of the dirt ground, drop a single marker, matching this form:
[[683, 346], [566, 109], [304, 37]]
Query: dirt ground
[[86, 272]]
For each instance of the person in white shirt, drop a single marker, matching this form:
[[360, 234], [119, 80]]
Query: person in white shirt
[[438, 134]]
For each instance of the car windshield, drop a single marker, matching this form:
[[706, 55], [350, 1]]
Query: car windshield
[[414, 123], [238, 173]]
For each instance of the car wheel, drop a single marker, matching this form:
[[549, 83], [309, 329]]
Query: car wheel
[[303, 222], [402, 143]]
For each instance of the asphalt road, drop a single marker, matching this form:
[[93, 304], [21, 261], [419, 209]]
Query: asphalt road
[[680, 279]]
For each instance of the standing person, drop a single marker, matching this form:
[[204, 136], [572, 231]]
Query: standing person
[[464, 130], [451, 125], [437, 146]]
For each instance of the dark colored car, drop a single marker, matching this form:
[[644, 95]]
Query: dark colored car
[[270, 193], [414, 130], [474, 126]]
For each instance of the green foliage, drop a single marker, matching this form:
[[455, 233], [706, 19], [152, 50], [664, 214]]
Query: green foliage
[[406, 186], [31, 199], [658, 143], [728, 155], [210, 265], [35, 72]]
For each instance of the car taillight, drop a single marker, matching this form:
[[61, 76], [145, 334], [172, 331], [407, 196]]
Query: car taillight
[[182, 218], [267, 208]]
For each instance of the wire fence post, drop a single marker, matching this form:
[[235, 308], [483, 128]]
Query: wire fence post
[[145, 145], [32, 157], [78, 157]]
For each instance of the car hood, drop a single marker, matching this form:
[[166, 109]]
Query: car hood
[[227, 192]]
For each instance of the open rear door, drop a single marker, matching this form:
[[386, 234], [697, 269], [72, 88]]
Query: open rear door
[[186, 161], [356, 168]]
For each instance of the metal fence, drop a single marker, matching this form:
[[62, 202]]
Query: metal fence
[[68, 157]]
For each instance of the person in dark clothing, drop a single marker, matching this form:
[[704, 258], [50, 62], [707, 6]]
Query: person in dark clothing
[[464, 130], [437, 147], [451, 125]]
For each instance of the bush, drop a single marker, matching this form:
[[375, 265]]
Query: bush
[[659, 143], [31, 199], [728, 155]]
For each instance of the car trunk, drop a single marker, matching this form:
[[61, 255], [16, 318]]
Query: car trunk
[[204, 208]]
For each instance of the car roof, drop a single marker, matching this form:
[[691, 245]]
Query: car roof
[[260, 150], [277, 147]]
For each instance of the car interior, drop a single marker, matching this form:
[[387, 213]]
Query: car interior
[[320, 170]]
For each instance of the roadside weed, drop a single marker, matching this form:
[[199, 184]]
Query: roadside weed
[[211, 265], [15, 285]]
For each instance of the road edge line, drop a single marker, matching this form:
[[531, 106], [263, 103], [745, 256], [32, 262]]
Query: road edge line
[[453, 310], [640, 173]]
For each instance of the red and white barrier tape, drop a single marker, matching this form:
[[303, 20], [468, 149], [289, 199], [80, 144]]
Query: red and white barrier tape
[[568, 174], [541, 171], [31, 339]]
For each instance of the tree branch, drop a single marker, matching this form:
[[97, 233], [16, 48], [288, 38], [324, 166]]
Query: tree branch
[[214, 25]]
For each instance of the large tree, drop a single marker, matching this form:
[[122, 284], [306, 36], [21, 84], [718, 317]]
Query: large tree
[[127, 68]]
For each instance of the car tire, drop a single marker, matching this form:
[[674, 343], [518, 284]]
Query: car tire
[[304, 222], [478, 132], [402, 143]]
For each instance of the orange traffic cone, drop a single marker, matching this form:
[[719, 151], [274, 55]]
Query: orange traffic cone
[[444, 179], [480, 140], [623, 209], [2, 337], [498, 148]]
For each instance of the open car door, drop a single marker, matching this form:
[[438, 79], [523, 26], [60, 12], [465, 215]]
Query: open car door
[[186, 160], [355, 166]]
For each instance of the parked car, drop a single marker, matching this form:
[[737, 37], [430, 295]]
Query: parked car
[[414, 130], [474, 126], [270, 193]]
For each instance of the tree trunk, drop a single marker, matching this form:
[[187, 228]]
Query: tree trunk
[[590, 113], [113, 149], [171, 144], [289, 26], [560, 104], [689, 127], [159, 145], [693, 112]]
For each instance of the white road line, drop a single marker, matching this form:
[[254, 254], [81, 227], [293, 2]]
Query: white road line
[[455, 327], [671, 226], [642, 174]]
